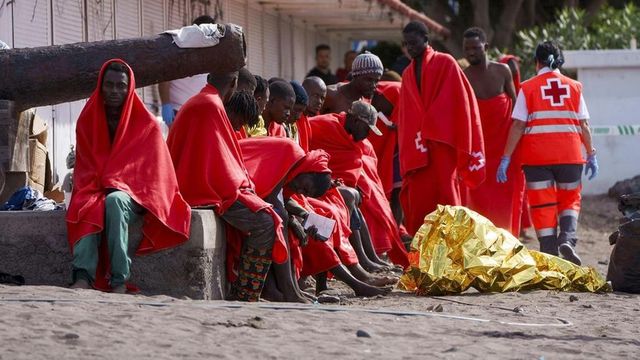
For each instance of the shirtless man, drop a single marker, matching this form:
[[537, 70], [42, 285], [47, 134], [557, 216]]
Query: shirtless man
[[366, 72], [495, 92], [488, 78]]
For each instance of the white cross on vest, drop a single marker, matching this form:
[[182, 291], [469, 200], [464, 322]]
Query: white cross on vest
[[555, 91]]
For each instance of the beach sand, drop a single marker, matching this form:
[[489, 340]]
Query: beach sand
[[39, 322]]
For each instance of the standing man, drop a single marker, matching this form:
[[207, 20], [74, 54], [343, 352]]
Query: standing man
[[123, 172], [323, 61], [439, 131], [550, 123], [494, 89], [342, 73], [174, 93]]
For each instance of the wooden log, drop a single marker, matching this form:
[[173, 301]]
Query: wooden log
[[56, 74]]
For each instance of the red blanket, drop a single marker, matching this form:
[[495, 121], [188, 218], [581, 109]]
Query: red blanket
[[209, 163], [444, 111], [276, 129], [137, 163], [516, 76], [356, 164], [500, 203], [304, 132], [385, 145], [268, 161]]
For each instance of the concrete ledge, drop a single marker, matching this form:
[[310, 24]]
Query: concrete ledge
[[34, 245]]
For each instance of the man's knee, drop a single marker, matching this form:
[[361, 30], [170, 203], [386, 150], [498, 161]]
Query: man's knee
[[115, 200], [350, 196], [263, 230]]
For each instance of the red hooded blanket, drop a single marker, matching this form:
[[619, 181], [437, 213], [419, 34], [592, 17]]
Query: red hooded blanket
[[356, 164], [209, 163], [137, 162], [439, 137], [500, 203]]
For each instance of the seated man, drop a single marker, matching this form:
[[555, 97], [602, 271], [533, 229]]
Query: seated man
[[211, 173], [353, 160], [276, 164], [242, 110], [278, 109], [115, 183]]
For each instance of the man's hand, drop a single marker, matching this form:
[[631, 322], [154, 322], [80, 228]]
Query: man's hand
[[167, 114], [312, 232], [592, 164], [501, 176], [298, 230]]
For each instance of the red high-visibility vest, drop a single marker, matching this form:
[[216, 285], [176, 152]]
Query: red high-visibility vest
[[553, 132]]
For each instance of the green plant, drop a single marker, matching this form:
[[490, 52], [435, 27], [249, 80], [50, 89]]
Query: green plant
[[611, 28]]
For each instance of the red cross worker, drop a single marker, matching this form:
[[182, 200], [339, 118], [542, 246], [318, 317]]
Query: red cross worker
[[550, 127]]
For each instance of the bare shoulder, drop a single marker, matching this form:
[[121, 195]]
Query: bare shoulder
[[500, 68]]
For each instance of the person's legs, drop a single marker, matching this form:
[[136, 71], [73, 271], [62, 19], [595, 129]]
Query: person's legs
[[361, 288], [255, 257], [541, 192], [352, 199], [284, 273], [568, 185], [120, 211], [425, 188], [85, 261]]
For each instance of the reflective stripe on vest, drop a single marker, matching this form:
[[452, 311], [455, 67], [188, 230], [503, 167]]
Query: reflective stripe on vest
[[554, 114], [548, 129]]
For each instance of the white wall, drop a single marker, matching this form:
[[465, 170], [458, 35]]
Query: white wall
[[610, 79]]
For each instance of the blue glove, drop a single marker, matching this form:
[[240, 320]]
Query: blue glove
[[501, 176], [168, 114], [592, 164]]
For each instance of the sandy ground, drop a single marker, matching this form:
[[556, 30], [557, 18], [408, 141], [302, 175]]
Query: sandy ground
[[55, 323]]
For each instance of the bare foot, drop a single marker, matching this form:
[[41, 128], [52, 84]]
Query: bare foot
[[272, 295], [309, 296], [381, 280], [369, 291], [297, 298], [373, 267], [119, 289], [81, 284]]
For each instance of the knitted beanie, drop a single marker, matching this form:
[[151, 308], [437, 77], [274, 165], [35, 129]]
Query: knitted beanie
[[366, 63]]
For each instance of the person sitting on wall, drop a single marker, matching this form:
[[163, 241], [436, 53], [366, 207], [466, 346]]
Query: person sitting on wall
[[115, 184]]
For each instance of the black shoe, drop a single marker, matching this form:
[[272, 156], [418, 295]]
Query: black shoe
[[569, 253]]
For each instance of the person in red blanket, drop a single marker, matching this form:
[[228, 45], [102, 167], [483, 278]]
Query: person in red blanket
[[344, 137], [494, 89], [439, 132], [317, 92], [116, 184], [211, 173], [243, 112], [278, 109]]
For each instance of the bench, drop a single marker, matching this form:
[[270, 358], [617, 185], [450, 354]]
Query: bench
[[34, 244]]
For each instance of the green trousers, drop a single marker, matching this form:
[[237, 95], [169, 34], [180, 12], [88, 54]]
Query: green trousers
[[120, 212]]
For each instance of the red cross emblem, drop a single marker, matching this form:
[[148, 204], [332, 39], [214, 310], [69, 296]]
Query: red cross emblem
[[555, 92], [477, 161]]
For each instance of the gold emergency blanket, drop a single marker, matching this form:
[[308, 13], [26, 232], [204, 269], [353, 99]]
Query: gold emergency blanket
[[457, 248]]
